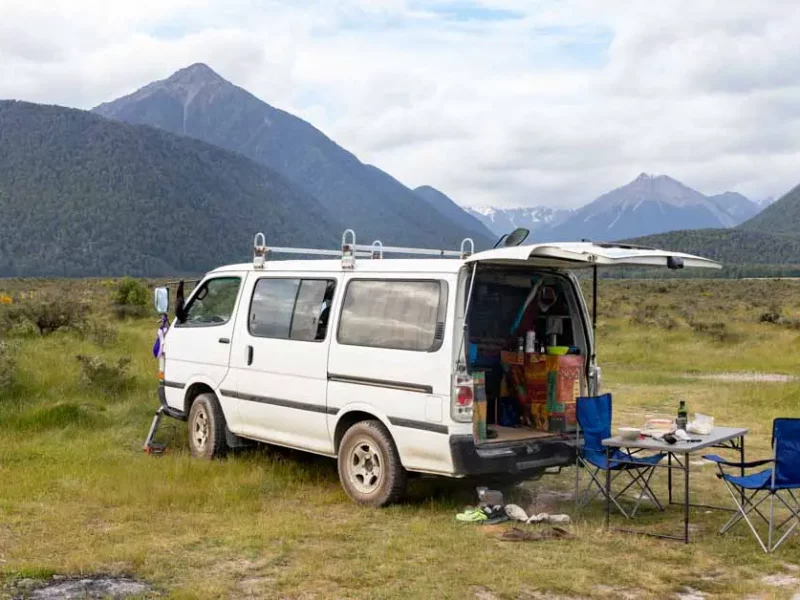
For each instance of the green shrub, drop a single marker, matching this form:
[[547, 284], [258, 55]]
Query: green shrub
[[131, 299], [51, 313], [100, 374], [717, 331], [14, 320], [773, 315], [99, 332], [8, 365]]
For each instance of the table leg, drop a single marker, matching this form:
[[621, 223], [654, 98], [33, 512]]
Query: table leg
[[741, 460], [686, 502], [669, 476], [608, 487]]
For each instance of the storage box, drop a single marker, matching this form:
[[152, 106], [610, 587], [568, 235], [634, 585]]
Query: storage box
[[547, 388], [565, 384]]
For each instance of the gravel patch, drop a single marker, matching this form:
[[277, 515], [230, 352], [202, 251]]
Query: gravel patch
[[745, 377], [781, 580], [61, 588], [689, 593]]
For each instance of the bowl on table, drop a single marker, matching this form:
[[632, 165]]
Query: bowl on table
[[557, 350], [629, 433]]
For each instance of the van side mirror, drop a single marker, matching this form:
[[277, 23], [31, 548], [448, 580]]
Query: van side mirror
[[161, 300]]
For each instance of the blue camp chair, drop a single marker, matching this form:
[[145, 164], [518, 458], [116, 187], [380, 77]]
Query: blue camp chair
[[779, 482], [594, 422]]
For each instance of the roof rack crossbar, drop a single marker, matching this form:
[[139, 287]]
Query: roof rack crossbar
[[350, 250], [367, 250]]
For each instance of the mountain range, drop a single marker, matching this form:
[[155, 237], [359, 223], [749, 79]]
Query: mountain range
[[771, 237], [81, 195], [198, 103], [177, 176]]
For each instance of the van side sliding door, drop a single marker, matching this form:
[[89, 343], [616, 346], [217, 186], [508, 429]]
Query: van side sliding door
[[279, 362]]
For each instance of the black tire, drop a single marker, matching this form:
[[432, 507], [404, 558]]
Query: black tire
[[369, 465], [207, 428]]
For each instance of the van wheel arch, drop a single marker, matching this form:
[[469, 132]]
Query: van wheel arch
[[192, 393], [346, 421]]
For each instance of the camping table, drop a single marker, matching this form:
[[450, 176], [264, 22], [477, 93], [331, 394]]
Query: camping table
[[678, 458]]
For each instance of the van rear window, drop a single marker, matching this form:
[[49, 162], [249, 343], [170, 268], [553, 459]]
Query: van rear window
[[396, 314]]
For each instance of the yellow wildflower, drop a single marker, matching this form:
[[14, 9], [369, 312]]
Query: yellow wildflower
[[6, 299]]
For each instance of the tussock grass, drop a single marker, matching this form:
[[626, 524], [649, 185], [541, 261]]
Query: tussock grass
[[77, 495]]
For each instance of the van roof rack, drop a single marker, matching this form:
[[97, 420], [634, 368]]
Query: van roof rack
[[350, 250]]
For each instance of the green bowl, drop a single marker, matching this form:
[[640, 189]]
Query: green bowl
[[557, 350]]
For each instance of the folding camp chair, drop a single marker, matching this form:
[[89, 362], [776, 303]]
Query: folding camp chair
[[780, 482], [594, 425]]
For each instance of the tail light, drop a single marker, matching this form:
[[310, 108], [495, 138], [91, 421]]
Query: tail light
[[463, 398], [162, 360]]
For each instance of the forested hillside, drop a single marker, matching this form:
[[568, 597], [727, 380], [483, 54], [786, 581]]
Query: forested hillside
[[770, 238], [82, 195], [782, 216], [731, 246]]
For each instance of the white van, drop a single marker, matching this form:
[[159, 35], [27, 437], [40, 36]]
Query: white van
[[368, 359]]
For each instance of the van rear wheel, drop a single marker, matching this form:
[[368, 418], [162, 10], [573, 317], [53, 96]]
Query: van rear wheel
[[206, 428], [369, 465]]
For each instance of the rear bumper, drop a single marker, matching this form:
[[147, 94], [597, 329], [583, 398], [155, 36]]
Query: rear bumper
[[166, 408], [524, 459]]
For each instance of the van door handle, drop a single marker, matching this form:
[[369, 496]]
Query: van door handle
[[249, 355], [224, 340]]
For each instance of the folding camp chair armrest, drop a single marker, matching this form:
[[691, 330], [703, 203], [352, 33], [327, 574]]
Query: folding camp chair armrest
[[742, 465]]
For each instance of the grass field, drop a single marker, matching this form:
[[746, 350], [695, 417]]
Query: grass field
[[78, 497]]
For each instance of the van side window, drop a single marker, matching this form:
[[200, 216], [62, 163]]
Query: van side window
[[396, 314], [292, 309], [213, 303]]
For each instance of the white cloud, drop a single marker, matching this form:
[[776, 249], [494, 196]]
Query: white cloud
[[497, 102]]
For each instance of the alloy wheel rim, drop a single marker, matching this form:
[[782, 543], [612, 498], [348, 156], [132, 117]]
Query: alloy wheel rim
[[200, 429], [365, 466]]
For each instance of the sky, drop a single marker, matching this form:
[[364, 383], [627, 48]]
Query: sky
[[495, 102]]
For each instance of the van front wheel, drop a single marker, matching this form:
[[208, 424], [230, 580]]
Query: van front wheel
[[206, 428], [369, 465]]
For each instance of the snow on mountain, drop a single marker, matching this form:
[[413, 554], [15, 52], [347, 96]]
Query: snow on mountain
[[648, 205], [652, 204], [505, 220]]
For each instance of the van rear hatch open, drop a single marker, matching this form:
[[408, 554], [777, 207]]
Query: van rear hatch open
[[576, 255], [523, 291]]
